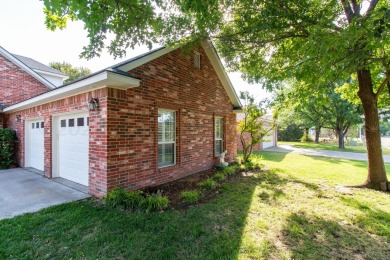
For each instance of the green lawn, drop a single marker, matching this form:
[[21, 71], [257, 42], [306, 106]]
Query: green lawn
[[332, 147], [293, 211]]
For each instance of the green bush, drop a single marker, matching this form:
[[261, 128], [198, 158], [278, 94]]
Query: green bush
[[124, 199], [306, 138], [291, 134], [254, 163], [191, 196], [230, 170], [155, 202], [220, 176], [7, 147], [208, 184]]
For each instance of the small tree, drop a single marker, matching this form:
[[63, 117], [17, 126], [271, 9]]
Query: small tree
[[251, 126]]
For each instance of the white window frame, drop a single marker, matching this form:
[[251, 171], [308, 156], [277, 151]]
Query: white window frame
[[218, 119], [167, 142]]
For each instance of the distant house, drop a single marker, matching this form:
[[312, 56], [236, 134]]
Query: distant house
[[146, 121], [270, 140]]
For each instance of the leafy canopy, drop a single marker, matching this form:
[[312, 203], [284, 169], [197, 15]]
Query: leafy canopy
[[72, 72]]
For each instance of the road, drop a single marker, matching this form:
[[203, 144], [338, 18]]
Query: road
[[284, 148]]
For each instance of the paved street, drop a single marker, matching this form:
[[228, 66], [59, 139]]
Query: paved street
[[334, 154]]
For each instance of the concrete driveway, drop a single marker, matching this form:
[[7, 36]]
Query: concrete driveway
[[22, 191]]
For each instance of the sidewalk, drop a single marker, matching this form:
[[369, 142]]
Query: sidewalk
[[314, 152]]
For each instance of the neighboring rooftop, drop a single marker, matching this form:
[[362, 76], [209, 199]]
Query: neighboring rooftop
[[36, 65]]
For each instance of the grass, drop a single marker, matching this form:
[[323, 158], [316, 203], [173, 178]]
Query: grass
[[331, 147], [292, 211]]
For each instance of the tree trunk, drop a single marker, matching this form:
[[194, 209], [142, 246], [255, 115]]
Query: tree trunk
[[318, 131], [376, 167], [340, 134]]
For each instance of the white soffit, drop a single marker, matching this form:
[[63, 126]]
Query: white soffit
[[100, 80]]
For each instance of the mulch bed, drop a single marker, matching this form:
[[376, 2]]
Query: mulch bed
[[173, 189]]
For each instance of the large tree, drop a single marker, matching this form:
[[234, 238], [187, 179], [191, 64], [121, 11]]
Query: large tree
[[268, 41], [72, 72]]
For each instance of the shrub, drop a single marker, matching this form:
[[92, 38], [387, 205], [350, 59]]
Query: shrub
[[208, 184], [116, 198], [253, 163], [155, 201], [220, 176], [124, 199], [306, 138], [291, 133], [230, 170], [7, 147], [191, 196]]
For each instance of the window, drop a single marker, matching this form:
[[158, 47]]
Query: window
[[218, 135], [37, 125], [42, 124], [166, 138], [71, 122], [33, 125], [63, 123], [80, 121]]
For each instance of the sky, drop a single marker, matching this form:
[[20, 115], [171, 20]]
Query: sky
[[23, 32]]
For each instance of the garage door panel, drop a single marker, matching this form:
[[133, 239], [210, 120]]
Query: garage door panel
[[269, 141], [73, 148]]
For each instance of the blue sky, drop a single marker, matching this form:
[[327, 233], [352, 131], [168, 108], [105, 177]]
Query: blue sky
[[23, 32]]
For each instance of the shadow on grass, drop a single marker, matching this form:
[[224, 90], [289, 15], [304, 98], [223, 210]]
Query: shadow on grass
[[311, 237], [371, 219], [87, 230]]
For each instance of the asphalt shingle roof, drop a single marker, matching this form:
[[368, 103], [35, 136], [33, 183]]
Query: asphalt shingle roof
[[33, 64]]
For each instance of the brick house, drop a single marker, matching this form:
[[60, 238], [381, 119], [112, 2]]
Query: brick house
[[146, 121]]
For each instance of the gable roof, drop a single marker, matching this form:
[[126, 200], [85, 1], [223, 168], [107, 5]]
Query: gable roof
[[36, 65], [120, 70], [26, 68]]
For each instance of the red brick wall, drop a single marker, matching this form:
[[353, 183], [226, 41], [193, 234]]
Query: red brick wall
[[17, 85], [169, 82], [97, 132]]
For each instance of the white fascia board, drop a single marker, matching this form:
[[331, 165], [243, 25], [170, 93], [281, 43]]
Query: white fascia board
[[23, 66], [101, 80], [222, 75], [134, 64], [64, 77]]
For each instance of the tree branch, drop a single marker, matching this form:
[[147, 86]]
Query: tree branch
[[372, 6], [347, 10], [384, 83]]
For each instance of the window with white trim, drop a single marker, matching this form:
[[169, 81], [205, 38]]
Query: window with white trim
[[218, 135], [166, 138]]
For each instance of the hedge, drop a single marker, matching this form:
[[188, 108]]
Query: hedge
[[7, 147]]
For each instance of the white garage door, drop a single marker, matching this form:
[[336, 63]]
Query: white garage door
[[269, 141], [35, 144], [73, 144]]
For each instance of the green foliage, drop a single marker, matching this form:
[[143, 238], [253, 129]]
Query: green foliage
[[155, 202], [220, 176], [191, 197], [254, 163], [124, 199], [208, 184], [230, 170], [306, 138], [72, 72], [251, 127], [7, 147], [290, 134]]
